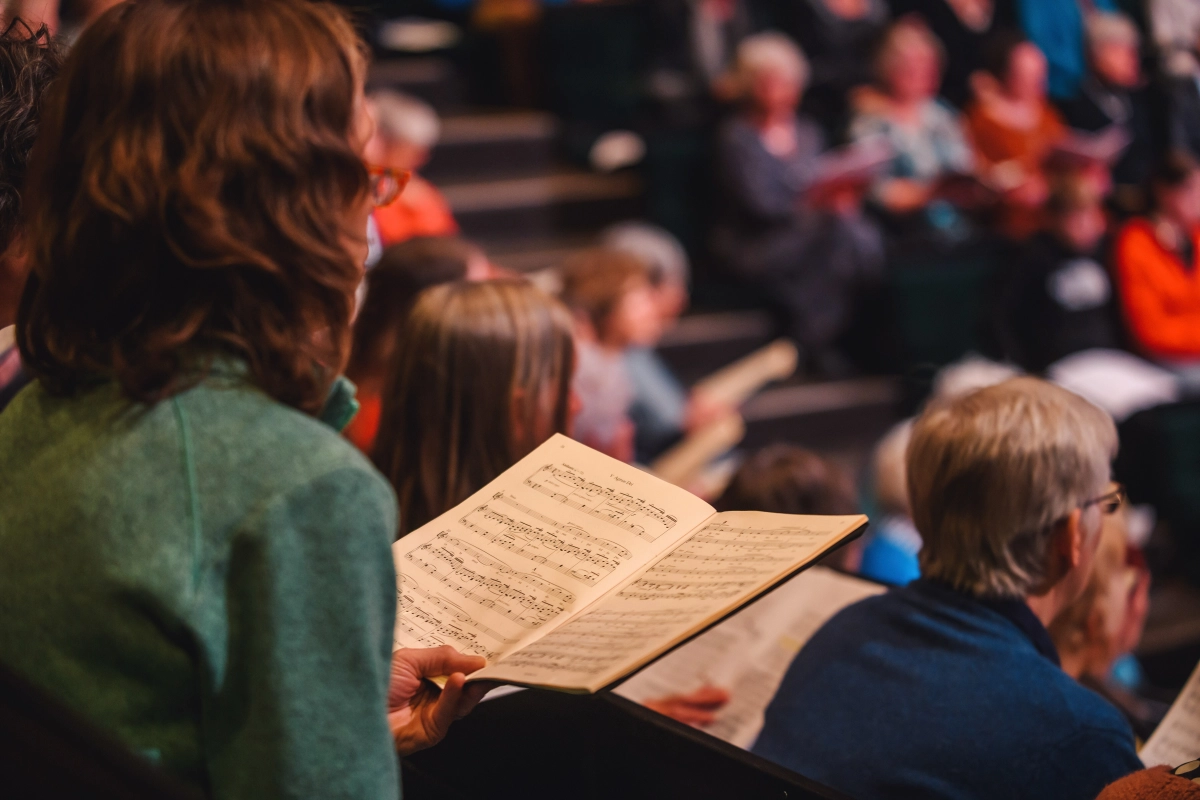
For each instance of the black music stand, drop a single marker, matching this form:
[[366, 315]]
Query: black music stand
[[539, 744]]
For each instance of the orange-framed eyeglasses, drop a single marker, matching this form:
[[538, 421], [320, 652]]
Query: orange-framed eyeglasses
[[387, 183]]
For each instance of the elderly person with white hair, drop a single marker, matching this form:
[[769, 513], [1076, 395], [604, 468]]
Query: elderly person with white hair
[[926, 135], [805, 258], [951, 686], [1113, 94], [406, 130]]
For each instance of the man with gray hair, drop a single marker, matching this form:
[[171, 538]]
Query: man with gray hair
[[951, 687]]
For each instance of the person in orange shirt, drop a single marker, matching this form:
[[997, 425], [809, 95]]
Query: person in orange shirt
[[1158, 273], [406, 130], [1014, 128]]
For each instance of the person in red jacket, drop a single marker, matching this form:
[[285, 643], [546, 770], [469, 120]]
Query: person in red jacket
[[1158, 273]]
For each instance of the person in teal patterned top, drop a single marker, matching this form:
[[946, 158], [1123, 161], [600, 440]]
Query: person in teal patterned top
[[189, 557]]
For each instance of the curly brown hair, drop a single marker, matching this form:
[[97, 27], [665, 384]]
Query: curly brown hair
[[189, 198], [29, 61]]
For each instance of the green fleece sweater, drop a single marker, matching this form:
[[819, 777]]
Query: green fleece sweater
[[210, 579]]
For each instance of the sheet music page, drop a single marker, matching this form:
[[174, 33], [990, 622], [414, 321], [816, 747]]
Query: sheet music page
[[749, 653], [723, 564], [548, 537], [1176, 740]]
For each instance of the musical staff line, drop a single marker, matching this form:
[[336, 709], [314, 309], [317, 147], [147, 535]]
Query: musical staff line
[[564, 548], [566, 485], [525, 598], [431, 629]]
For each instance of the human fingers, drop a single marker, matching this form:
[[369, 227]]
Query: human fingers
[[446, 708], [433, 662]]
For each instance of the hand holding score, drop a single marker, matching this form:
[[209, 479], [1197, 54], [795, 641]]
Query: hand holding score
[[418, 713]]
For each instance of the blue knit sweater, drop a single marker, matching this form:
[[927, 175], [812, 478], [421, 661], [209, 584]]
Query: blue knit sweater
[[927, 692]]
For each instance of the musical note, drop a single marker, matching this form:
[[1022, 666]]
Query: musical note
[[596, 641], [684, 590], [564, 548], [525, 598], [432, 620], [567, 485]]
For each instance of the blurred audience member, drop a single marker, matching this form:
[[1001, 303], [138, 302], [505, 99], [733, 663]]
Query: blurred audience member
[[893, 544], [892, 541], [29, 61], [1111, 94], [807, 260], [616, 308], [1009, 487], [786, 479], [963, 27], [839, 38], [402, 273], [1014, 128], [480, 377], [1157, 260], [406, 129], [1183, 94], [1175, 26], [926, 135], [692, 69], [1057, 28], [1057, 299], [1105, 623], [662, 409]]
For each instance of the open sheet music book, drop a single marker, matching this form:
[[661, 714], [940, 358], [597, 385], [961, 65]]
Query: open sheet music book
[[749, 653], [1176, 740], [572, 570]]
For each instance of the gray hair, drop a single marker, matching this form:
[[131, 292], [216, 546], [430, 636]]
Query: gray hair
[[402, 118], [771, 51], [990, 475], [657, 248]]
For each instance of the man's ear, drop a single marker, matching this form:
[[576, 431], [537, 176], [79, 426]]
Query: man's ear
[[1066, 548], [1073, 540]]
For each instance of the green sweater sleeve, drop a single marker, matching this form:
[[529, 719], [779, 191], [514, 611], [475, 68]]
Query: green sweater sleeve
[[297, 699]]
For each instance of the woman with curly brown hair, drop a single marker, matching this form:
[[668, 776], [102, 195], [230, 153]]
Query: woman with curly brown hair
[[188, 555]]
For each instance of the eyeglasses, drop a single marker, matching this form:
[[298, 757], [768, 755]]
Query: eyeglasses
[[386, 184], [1109, 503]]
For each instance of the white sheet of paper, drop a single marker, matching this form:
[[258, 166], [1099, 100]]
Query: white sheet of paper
[[1176, 740], [685, 589], [749, 653], [504, 566]]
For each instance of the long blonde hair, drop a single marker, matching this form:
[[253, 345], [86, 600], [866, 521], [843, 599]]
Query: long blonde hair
[[478, 368]]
